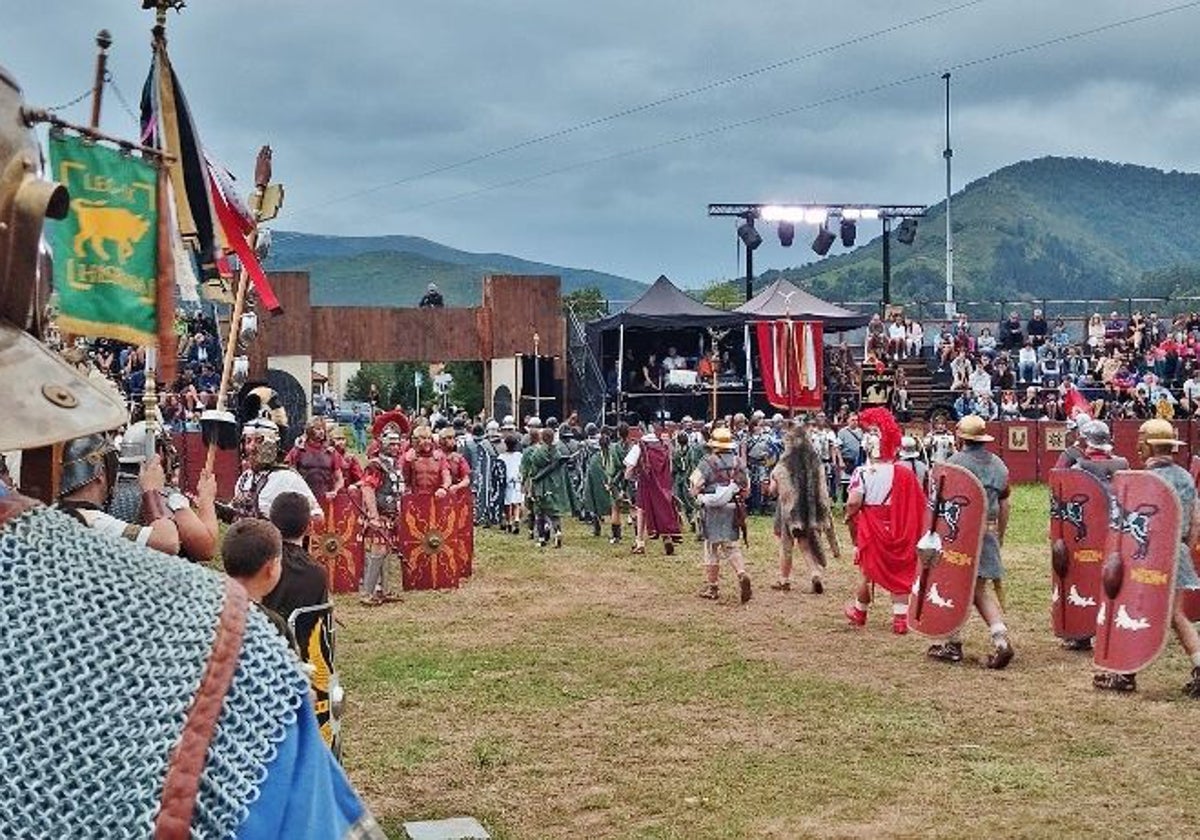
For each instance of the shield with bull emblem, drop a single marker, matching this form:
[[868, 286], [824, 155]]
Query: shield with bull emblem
[[437, 539], [1079, 510], [944, 591], [1191, 597], [1138, 576]]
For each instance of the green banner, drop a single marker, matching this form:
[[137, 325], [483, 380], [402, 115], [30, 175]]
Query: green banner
[[106, 250]]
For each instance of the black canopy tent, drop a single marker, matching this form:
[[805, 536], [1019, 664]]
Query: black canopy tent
[[662, 310], [784, 299]]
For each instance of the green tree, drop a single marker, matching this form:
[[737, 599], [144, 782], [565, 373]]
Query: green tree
[[587, 303], [723, 294]]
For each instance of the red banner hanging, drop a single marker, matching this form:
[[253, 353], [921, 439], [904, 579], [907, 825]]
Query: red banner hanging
[[790, 363]]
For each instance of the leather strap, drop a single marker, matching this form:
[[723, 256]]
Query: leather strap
[[182, 782]]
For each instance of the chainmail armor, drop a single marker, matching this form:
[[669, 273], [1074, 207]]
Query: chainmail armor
[[104, 648]]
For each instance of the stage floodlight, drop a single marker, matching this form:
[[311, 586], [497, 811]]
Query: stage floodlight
[[787, 233], [816, 215], [907, 232], [749, 236], [781, 213], [867, 213], [848, 231], [823, 242]]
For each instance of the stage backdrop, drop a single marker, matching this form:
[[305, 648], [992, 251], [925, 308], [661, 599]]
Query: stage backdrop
[[789, 359]]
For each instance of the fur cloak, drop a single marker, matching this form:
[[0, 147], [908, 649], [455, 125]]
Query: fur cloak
[[803, 503]]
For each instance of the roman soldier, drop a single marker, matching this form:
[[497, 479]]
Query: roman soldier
[[263, 477], [456, 463], [802, 510], [720, 484], [993, 475], [424, 465], [351, 467], [382, 487], [544, 475], [884, 511], [88, 479], [596, 500], [317, 461], [618, 484], [650, 463], [1157, 443], [388, 421]]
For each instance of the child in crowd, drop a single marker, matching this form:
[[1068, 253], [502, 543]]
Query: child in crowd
[[514, 496], [252, 553]]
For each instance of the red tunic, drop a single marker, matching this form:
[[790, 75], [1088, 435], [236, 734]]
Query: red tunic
[[886, 535]]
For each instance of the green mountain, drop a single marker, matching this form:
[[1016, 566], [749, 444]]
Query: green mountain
[[395, 270], [1058, 228]]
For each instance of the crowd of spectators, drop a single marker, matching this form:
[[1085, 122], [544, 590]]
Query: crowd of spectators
[[1135, 367], [124, 365]]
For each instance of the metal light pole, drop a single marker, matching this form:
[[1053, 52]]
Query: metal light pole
[[947, 154], [749, 272], [887, 261], [103, 41]]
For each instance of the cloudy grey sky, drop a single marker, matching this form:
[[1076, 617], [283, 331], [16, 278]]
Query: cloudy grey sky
[[359, 94]]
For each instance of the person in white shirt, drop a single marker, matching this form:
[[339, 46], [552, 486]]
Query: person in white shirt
[[674, 361], [915, 338], [980, 381], [1027, 363], [897, 337], [1191, 392]]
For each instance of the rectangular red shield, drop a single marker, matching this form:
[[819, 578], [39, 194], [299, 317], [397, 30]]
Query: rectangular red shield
[[1139, 572], [943, 593], [1079, 510], [339, 546], [436, 538]]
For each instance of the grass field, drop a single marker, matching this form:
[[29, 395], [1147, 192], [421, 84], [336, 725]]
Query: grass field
[[587, 693]]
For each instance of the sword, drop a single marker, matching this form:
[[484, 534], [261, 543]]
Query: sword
[[933, 546]]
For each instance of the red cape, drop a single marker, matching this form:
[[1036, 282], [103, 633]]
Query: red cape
[[887, 535]]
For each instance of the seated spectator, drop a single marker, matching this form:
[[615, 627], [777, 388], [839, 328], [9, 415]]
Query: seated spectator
[[960, 371], [986, 343], [1074, 364], [1010, 334], [897, 337], [1095, 333], [1037, 330], [900, 406], [208, 380], [709, 366], [1060, 336], [1114, 329], [963, 339], [915, 338], [1191, 393], [203, 351], [1031, 406], [1136, 332], [1052, 409], [1027, 363], [432, 298], [649, 377], [964, 405], [1156, 329], [945, 348], [985, 407], [1010, 409], [1003, 376], [1048, 368], [674, 361], [876, 340], [980, 381]]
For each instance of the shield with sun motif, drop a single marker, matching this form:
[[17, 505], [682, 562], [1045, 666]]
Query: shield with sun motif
[[339, 547], [437, 540]]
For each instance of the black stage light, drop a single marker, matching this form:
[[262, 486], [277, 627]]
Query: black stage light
[[787, 233], [824, 241], [849, 231], [907, 232], [749, 236]]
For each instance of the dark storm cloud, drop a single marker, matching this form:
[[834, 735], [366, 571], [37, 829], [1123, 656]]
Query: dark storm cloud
[[356, 95]]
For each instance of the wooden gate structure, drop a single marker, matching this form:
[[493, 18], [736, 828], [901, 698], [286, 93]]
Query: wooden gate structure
[[498, 333]]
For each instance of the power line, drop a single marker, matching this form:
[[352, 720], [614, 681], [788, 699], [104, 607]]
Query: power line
[[854, 94], [646, 106]]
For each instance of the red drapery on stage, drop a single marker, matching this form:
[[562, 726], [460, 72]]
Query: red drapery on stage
[[790, 363]]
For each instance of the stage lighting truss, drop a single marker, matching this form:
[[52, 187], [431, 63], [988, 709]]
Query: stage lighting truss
[[842, 218]]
